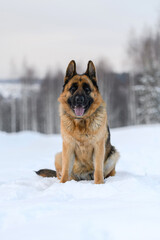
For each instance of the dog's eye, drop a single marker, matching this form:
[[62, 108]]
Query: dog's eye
[[73, 89], [87, 90]]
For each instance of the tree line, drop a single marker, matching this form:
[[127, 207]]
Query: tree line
[[36, 108], [132, 98]]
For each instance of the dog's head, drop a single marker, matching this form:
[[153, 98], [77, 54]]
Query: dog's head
[[80, 96]]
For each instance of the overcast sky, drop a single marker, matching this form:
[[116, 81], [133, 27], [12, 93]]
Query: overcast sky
[[49, 33]]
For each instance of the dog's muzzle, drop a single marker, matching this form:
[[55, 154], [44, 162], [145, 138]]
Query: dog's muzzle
[[79, 108]]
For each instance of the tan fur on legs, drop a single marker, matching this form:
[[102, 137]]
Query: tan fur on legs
[[110, 163], [67, 161], [58, 164], [112, 173], [98, 161]]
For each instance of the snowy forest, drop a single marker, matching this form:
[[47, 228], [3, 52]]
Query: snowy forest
[[132, 98]]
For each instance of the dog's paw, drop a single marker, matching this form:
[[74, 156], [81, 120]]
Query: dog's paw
[[98, 178], [63, 180], [100, 181]]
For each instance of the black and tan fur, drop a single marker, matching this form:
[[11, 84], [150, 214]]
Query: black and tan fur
[[87, 152]]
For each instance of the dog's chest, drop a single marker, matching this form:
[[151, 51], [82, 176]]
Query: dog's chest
[[86, 130], [84, 152]]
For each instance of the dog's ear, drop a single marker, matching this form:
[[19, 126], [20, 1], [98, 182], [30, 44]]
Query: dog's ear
[[91, 71], [71, 70]]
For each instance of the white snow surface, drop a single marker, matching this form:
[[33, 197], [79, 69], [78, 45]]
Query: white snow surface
[[127, 206]]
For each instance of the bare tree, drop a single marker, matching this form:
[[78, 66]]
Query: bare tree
[[28, 106], [144, 53]]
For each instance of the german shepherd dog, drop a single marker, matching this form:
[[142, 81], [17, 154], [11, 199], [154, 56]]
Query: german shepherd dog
[[87, 152]]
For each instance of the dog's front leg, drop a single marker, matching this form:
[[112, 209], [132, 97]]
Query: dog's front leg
[[99, 152], [67, 161]]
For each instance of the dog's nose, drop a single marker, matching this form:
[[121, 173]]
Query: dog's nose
[[79, 99]]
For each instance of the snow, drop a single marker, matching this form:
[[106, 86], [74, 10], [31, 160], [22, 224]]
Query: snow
[[127, 206], [14, 88], [9, 89]]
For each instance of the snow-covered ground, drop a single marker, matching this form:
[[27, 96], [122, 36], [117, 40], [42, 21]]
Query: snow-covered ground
[[126, 207]]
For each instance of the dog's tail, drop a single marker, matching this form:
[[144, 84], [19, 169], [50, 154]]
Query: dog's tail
[[46, 173]]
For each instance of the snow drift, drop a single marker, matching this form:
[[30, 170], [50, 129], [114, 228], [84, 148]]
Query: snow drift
[[127, 206]]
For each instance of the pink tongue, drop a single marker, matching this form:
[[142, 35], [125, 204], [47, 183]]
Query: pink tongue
[[79, 111]]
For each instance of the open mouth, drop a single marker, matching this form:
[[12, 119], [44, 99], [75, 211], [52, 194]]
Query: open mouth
[[79, 111]]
